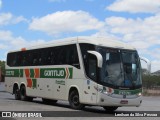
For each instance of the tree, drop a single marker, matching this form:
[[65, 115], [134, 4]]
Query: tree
[[2, 66], [150, 81]]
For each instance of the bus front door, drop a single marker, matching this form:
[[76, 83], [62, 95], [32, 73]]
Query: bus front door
[[90, 92]]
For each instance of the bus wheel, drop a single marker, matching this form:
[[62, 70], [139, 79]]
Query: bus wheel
[[48, 101], [30, 99], [74, 100], [23, 95], [110, 108], [17, 94]]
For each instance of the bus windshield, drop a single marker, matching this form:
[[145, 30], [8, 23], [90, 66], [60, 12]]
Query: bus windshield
[[121, 68]]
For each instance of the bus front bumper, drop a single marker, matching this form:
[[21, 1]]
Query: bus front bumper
[[108, 100]]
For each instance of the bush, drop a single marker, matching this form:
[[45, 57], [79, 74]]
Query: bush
[[150, 81]]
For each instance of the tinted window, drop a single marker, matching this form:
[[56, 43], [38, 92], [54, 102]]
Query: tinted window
[[61, 55], [89, 60]]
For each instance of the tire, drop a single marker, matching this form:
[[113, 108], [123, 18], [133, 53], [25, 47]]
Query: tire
[[23, 95], [74, 100], [17, 94], [48, 101], [110, 108], [29, 99]]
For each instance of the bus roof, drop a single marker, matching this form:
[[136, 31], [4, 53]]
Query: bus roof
[[105, 42], [99, 41]]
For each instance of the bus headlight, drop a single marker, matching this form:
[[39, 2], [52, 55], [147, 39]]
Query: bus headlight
[[104, 92], [139, 94]]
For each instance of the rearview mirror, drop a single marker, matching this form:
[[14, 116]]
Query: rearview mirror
[[99, 58], [148, 64]]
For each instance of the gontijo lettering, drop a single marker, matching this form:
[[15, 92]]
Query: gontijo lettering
[[66, 73], [10, 73], [54, 73]]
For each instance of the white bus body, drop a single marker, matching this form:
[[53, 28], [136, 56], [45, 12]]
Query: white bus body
[[84, 70]]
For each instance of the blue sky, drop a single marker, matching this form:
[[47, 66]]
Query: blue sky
[[32, 22]]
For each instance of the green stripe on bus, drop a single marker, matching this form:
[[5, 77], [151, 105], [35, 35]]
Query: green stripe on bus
[[34, 83], [21, 72], [44, 73], [12, 73], [52, 73], [31, 73], [55, 73], [71, 73]]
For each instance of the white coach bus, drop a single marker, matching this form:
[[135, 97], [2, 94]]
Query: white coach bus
[[82, 70]]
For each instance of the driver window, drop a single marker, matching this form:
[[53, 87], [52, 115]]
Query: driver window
[[92, 67]]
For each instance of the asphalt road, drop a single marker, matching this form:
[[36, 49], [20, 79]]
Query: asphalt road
[[62, 110]]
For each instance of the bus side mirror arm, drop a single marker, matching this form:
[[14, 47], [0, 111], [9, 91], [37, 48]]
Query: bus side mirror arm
[[99, 58], [148, 64]]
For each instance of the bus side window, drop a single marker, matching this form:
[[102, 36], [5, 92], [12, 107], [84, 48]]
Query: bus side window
[[45, 54], [61, 55], [74, 57], [19, 59], [66, 55], [11, 59], [56, 58], [28, 56], [24, 60], [52, 58], [35, 58]]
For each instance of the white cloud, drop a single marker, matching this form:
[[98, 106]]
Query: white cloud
[[5, 35], [134, 6], [19, 19], [144, 30], [10, 42], [2, 46], [105, 34], [155, 65], [5, 18], [143, 34], [0, 3], [65, 22], [8, 18], [152, 53], [140, 44]]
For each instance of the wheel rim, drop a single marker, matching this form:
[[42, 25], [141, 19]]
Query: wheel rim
[[23, 92], [17, 94], [75, 100]]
